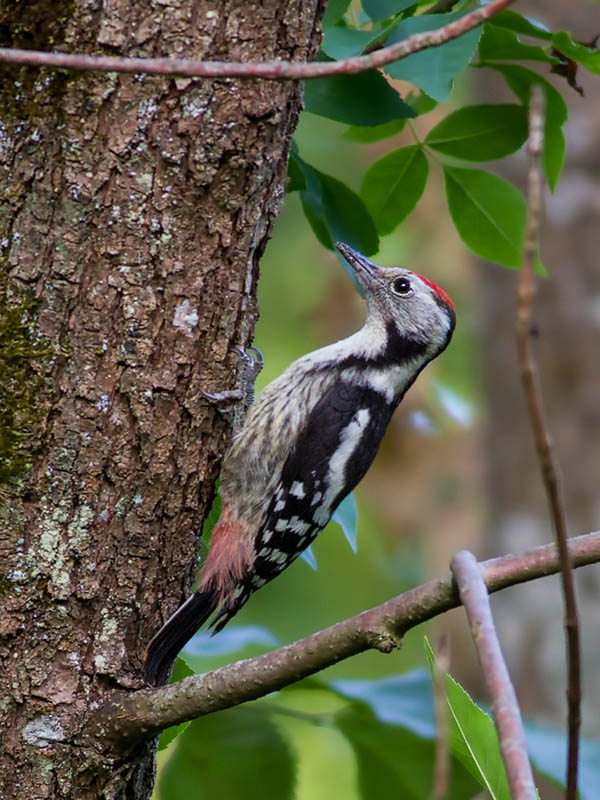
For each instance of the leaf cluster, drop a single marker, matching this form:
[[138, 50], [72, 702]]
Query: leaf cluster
[[383, 731], [487, 211]]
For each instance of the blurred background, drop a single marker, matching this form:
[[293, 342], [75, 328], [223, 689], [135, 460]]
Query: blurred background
[[457, 468]]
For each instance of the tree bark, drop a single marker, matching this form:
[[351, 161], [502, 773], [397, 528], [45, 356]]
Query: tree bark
[[134, 214]]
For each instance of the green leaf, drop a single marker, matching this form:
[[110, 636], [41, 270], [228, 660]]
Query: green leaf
[[382, 9], [501, 44], [393, 186], [391, 756], [473, 737], [357, 133], [489, 214], [334, 12], [433, 70], [480, 133], [233, 755], [336, 213], [474, 741], [588, 57], [420, 103], [520, 79], [340, 42], [520, 24], [346, 516], [297, 182], [364, 99]]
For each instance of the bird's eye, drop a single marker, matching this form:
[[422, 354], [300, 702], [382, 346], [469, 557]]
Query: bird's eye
[[401, 286]]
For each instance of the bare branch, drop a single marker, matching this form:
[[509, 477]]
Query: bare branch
[[505, 708], [543, 440], [271, 70], [147, 711]]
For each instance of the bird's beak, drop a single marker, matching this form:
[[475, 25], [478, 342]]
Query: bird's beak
[[366, 272]]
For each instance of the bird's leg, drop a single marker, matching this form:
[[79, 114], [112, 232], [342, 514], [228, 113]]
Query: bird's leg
[[251, 363]]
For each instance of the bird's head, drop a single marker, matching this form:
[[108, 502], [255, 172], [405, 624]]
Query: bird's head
[[406, 306]]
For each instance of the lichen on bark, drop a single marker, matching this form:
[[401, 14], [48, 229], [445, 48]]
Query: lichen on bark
[[24, 389]]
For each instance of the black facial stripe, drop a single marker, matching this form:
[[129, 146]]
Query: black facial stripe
[[399, 349]]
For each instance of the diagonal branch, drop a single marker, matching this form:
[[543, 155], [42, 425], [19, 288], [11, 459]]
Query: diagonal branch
[[543, 440], [144, 713], [505, 708], [272, 70]]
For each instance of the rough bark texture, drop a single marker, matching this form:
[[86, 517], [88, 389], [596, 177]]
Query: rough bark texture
[[134, 213]]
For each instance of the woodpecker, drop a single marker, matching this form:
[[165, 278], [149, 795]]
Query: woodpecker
[[306, 441]]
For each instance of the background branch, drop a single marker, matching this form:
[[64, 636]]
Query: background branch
[[273, 70], [148, 711], [505, 708], [543, 440]]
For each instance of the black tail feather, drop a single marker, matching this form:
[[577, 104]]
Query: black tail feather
[[175, 633]]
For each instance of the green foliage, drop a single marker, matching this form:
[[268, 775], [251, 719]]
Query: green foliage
[[389, 725], [480, 133], [521, 80], [382, 9], [433, 70], [334, 211], [393, 184], [588, 57], [488, 213], [234, 755], [392, 756], [363, 99], [473, 738], [502, 44]]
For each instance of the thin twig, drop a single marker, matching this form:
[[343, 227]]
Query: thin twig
[[441, 771], [543, 440], [505, 708], [143, 713], [273, 70]]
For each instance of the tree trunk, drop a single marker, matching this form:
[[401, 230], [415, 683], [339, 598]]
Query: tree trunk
[[134, 213]]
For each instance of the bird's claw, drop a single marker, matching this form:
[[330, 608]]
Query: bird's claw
[[252, 363]]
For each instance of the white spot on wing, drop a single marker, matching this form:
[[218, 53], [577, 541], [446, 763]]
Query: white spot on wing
[[297, 525], [297, 490]]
